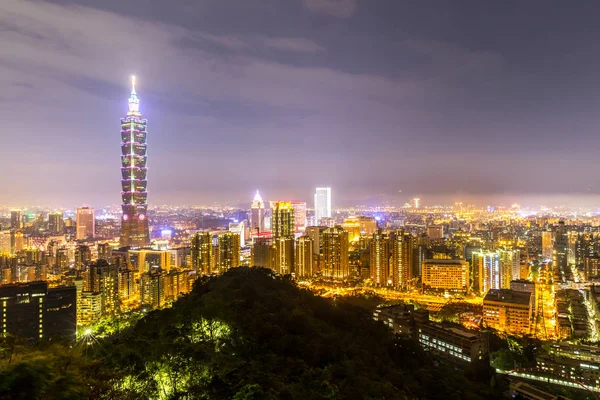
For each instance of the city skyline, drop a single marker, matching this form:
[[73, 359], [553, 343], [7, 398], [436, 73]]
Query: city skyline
[[443, 114]]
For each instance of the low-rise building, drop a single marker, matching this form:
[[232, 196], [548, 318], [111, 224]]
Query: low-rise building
[[507, 311]]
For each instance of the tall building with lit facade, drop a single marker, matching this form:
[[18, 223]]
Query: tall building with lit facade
[[263, 253], [299, 215], [257, 215], [283, 223], [379, 252], [547, 244], [335, 262], [284, 255], [487, 273], [303, 257], [322, 204], [134, 169], [85, 223], [56, 224], [228, 251], [201, 252], [16, 221], [560, 252], [359, 225], [402, 252], [510, 263]]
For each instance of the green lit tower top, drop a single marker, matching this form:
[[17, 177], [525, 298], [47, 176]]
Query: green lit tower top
[[134, 194]]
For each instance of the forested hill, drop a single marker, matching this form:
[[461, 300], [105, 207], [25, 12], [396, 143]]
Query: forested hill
[[250, 334]]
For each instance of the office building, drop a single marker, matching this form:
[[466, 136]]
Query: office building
[[201, 252], [105, 252], [401, 243], [508, 311], [523, 285], [446, 275], [33, 311], [85, 223], [335, 263], [56, 223], [5, 242], [304, 257], [591, 268], [379, 253], [16, 221], [322, 204], [283, 223], [228, 251], [435, 232], [257, 215], [134, 195]]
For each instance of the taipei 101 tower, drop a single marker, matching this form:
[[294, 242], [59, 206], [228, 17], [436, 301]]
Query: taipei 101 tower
[[134, 194]]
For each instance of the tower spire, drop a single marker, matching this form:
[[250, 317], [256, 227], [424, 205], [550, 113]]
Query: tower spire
[[133, 84]]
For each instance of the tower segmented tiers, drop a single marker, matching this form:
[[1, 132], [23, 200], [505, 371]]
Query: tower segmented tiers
[[134, 194]]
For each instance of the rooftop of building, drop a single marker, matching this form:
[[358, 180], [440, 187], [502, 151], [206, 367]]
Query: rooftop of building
[[508, 296], [437, 261]]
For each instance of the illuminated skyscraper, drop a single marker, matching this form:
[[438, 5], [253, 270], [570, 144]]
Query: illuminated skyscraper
[[560, 252], [56, 224], [16, 222], [299, 215], [335, 253], [134, 223], [283, 224], [402, 253], [228, 251], [86, 223], [380, 258], [322, 204], [487, 272], [201, 252], [257, 215], [303, 258]]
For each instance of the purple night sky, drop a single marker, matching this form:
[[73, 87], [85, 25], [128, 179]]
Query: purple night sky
[[446, 100]]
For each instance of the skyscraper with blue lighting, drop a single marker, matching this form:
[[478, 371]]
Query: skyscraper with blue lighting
[[134, 194]]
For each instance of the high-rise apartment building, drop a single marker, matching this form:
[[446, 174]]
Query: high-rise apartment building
[[16, 221], [560, 252], [201, 252], [486, 271], [283, 223], [263, 253], [257, 215], [134, 195], [335, 263], [510, 265], [284, 255], [547, 244], [56, 224], [228, 251], [85, 223], [402, 252], [303, 257], [379, 252], [299, 215], [322, 204]]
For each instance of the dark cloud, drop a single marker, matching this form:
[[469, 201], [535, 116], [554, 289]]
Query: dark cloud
[[437, 100]]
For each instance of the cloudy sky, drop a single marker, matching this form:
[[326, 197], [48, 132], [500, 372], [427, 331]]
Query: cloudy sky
[[445, 100]]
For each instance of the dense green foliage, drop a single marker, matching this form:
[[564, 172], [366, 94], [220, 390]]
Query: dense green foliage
[[249, 334]]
